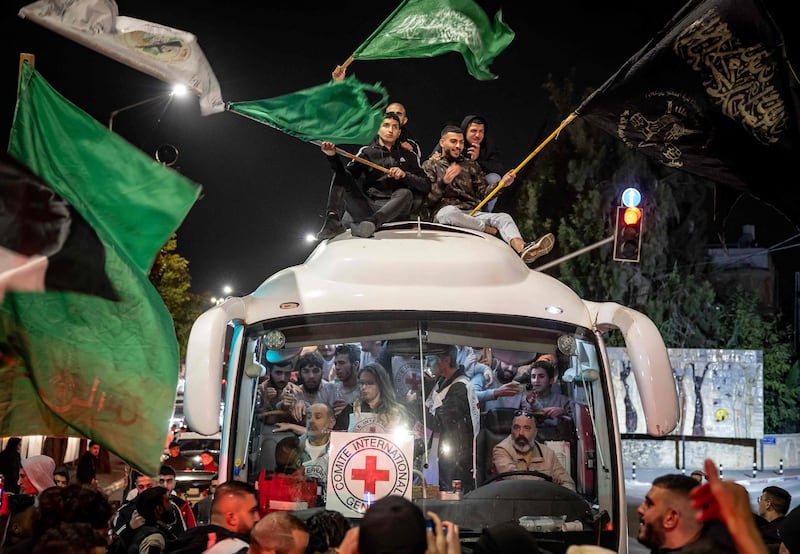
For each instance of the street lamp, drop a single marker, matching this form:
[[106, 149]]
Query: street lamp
[[177, 90], [227, 290]]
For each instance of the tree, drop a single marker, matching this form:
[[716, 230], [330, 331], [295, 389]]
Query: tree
[[170, 276], [745, 329]]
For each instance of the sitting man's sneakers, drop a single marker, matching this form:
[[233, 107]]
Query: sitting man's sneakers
[[363, 229], [332, 227], [535, 249]]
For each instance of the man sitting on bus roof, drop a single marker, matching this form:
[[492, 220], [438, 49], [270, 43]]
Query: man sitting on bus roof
[[520, 451], [458, 184]]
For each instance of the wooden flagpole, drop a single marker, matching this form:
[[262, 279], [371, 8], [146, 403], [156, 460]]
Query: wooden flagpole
[[24, 57], [347, 154], [517, 169], [339, 71]]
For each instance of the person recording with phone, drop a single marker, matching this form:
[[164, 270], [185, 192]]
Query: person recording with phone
[[498, 389]]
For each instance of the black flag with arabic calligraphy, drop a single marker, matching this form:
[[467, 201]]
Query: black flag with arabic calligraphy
[[712, 94]]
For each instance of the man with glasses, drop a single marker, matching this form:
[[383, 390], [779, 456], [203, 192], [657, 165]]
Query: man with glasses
[[520, 451], [773, 505]]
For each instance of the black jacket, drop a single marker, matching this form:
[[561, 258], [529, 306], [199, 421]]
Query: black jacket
[[376, 183]]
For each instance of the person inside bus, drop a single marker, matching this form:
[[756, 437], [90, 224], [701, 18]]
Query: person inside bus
[[327, 352], [458, 185], [455, 416], [372, 196], [500, 390], [278, 375], [520, 451], [315, 440], [377, 409], [311, 387], [542, 398], [346, 363]]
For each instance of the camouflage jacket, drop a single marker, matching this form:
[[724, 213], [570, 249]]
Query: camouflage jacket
[[465, 192]]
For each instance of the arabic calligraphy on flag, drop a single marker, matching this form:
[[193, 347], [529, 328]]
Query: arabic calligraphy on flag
[[710, 94], [428, 28]]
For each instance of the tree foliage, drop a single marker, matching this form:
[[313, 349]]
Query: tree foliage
[[170, 276], [573, 188], [745, 329]]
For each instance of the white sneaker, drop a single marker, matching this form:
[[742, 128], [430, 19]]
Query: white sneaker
[[538, 248]]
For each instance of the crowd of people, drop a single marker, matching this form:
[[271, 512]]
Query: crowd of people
[[388, 180], [363, 388], [680, 514]]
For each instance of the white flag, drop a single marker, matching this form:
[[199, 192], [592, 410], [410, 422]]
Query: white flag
[[168, 54]]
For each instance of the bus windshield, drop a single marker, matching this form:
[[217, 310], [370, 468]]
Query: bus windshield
[[500, 418]]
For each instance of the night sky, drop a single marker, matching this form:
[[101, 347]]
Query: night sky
[[264, 190]]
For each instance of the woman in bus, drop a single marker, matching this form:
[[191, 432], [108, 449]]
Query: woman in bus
[[376, 409]]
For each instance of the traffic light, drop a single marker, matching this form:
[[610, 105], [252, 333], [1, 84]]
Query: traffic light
[[628, 234]]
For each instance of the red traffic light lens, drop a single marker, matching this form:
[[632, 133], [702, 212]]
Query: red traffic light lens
[[632, 216]]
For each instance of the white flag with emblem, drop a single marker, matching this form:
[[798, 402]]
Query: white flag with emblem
[[165, 53], [365, 467]]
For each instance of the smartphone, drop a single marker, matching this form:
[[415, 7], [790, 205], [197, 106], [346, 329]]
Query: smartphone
[[429, 524]]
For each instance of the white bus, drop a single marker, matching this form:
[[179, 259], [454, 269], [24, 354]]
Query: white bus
[[419, 288]]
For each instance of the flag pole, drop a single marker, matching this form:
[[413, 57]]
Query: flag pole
[[24, 57], [339, 71], [524, 162], [347, 154], [347, 63]]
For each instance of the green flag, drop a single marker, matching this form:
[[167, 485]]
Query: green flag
[[428, 28], [77, 364], [339, 112]]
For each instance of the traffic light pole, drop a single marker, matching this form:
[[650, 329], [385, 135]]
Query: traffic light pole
[[575, 254]]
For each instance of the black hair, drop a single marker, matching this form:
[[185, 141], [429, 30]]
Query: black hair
[[147, 501], [314, 359], [781, 499], [326, 529], [452, 129], [166, 470], [390, 115], [676, 483], [547, 366], [353, 352], [287, 454]]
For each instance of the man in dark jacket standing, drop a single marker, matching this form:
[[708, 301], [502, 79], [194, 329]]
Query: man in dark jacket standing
[[87, 465]]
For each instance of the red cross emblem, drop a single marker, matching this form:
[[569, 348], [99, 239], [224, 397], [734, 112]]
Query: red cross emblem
[[413, 381], [370, 474]]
